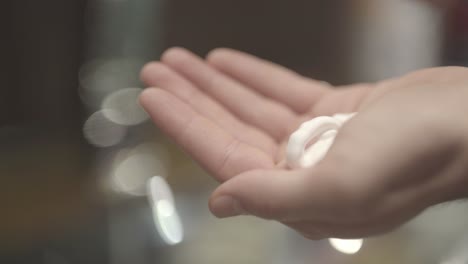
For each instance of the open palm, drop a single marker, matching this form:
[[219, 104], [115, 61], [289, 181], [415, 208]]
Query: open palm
[[405, 151], [233, 112]]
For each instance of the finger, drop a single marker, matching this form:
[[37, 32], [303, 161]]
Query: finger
[[275, 194], [269, 79], [159, 75], [272, 117], [216, 150]]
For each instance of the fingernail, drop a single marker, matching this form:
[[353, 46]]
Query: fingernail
[[226, 206]]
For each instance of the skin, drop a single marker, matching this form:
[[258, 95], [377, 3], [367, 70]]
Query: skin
[[405, 151]]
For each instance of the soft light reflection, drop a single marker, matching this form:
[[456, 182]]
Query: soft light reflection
[[125, 107], [132, 171], [158, 190], [165, 215], [101, 132], [165, 208], [168, 223], [346, 246]]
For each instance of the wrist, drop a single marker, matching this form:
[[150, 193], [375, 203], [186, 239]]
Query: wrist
[[450, 140], [456, 174]]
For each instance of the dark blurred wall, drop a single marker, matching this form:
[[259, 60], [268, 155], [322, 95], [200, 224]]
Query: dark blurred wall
[[456, 39], [310, 36], [41, 52], [43, 160]]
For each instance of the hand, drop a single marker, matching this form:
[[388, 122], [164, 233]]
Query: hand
[[232, 113]]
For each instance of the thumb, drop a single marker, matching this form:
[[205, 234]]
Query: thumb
[[273, 194]]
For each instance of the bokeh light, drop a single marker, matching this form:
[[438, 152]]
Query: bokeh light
[[101, 132], [165, 215], [168, 222], [126, 110], [346, 246], [132, 168], [158, 189]]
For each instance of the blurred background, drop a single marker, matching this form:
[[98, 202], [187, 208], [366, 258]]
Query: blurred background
[[86, 178]]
